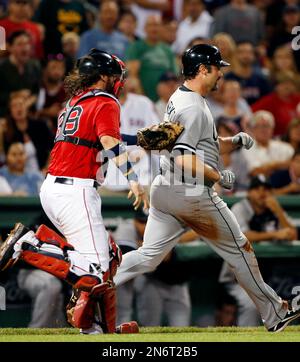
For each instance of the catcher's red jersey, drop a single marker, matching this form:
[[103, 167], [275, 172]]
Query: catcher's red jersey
[[93, 117]]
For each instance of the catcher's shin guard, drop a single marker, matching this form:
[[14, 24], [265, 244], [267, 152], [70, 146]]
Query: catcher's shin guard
[[107, 310], [56, 264], [82, 306], [115, 255]]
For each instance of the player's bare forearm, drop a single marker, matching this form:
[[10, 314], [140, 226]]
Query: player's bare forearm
[[257, 236], [226, 145], [270, 167], [194, 166], [274, 206], [118, 154], [108, 143]]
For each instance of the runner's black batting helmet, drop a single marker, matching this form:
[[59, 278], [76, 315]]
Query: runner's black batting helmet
[[201, 54]]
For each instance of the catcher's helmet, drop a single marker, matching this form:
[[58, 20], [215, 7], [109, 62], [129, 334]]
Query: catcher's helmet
[[201, 54], [98, 62]]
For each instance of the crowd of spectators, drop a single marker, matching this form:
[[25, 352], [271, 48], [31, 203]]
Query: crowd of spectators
[[260, 91], [259, 94]]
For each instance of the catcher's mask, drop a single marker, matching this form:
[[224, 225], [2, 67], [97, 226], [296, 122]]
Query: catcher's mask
[[98, 62]]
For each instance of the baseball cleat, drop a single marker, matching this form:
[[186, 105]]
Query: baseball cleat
[[7, 248], [289, 317], [127, 328]]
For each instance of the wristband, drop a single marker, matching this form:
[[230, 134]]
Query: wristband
[[127, 171], [115, 151]]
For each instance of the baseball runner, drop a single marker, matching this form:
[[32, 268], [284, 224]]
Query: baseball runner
[[174, 206], [88, 259]]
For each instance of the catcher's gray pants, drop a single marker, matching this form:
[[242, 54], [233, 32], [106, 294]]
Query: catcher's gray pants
[[207, 214], [47, 298]]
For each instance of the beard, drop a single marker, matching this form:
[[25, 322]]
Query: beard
[[110, 86], [216, 85]]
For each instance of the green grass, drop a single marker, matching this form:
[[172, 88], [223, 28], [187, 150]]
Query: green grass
[[154, 334]]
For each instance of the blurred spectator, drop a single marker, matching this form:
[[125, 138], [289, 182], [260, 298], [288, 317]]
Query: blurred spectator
[[18, 71], [287, 181], [127, 25], [169, 30], [226, 311], [70, 45], [267, 155], [196, 24], [60, 17], [235, 109], [293, 134], [227, 47], [35, 134], [3, 7], [253, 83], [3, 127], [5, 189], [235, 160], [105, 37], [137, 111], [283, 62], [216, 102], [148, 59], [166, 86], [282, 102], [23, 183], [52, 94], [261, 218], [241, 20], [47, 298], [145, 8], [18, 18], [196, 41], [166, 287], [283, 34]]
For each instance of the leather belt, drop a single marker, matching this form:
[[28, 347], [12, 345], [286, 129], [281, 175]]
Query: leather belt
[[70, 181]]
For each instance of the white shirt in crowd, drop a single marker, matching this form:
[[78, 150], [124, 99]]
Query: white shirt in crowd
[[137, 112], [5, 189], [142, 14], [259, 155], [189, 30]]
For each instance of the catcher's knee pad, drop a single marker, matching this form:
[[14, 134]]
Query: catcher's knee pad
[[115, 255]]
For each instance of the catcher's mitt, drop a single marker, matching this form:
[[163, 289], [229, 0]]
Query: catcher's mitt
[[159, 136]]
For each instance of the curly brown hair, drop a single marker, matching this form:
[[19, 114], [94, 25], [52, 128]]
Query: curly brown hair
[[76, 83]]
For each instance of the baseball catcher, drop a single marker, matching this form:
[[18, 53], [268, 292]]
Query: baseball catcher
[[86, 257]]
